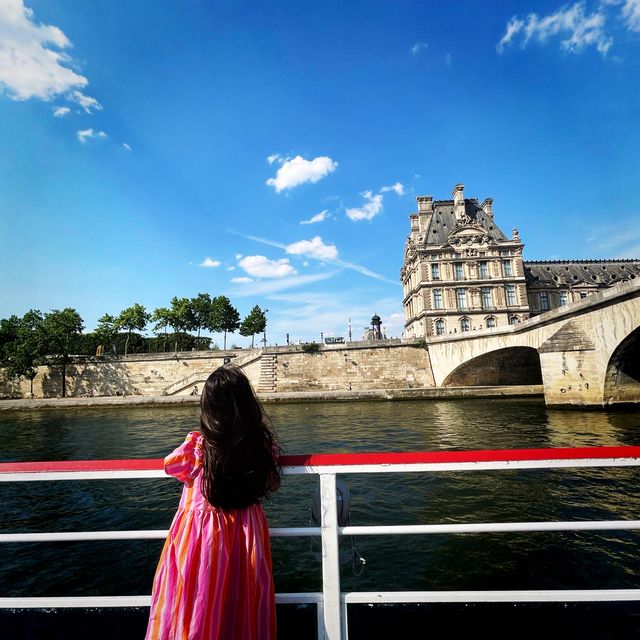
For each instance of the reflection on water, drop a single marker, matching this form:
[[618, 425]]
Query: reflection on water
[[470, 561]]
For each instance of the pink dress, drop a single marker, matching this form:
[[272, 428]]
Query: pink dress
[[214, 578]]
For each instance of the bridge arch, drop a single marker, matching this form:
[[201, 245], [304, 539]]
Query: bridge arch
[[508, 366], [622, 378]]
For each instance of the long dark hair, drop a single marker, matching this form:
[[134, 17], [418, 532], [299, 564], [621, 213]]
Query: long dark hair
[[240, 448]]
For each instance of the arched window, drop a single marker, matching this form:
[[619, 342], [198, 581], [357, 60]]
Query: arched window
[[439, 327], [513, 320], [464, 324], [491, 322]]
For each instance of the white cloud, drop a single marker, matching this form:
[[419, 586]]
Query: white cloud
[[339, 263], [60, 112], [87, 134], [296, 171], [238, 256], [231, 268], [314, 248], [631, 14], [369, 209], [208, 263], [397, 187], [319, 217], [86, 102], [32, 59], [262, 267], [418, 47], [241, 280], [274, 157], [580, 30], [126, 146]]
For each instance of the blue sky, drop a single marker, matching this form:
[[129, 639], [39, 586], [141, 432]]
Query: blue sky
[[272, 151]]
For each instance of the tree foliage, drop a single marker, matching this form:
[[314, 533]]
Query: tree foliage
[[180, 316], [21, 345], [225, 317], [106, 331], [255, 322], [58, 331], [134, 318], [200, 310]]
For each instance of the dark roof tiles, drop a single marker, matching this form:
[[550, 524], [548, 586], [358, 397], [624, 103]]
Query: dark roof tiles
[[565, 273], [443, 222]]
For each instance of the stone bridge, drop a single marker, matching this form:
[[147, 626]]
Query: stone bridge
[[585, 353]]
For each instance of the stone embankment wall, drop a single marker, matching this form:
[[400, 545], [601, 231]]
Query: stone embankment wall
[[388, 364], [141, 374]]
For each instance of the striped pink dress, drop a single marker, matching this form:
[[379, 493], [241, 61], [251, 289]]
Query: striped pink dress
[[214, 578]]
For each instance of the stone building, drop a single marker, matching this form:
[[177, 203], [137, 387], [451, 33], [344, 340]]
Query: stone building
[[462, 273], [558, 282]]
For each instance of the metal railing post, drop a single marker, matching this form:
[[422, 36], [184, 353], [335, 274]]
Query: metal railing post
[[331, 608]]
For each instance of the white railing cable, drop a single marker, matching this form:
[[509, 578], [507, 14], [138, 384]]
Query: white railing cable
[[295, 532]]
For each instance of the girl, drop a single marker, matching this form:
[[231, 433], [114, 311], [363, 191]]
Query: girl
[[214, 577]]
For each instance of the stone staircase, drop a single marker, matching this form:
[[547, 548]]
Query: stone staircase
[[268, 376]]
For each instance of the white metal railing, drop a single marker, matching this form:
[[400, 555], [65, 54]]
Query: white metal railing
[[331, 602]]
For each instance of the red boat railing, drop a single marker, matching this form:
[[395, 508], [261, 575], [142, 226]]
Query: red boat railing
[[331, 602]]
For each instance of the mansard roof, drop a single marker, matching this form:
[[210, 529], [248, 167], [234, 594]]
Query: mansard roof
[[570, 273], [443, 222]]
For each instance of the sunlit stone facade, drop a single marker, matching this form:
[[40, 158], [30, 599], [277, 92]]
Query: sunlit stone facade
[[460, 271]]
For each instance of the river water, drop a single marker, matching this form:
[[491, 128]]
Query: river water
[[584, 560]]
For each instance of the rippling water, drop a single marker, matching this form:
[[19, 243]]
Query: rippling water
[[583, 560]]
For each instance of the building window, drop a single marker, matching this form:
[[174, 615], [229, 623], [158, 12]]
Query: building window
[[435, 272], [513, 319], [458, 271], [544, 300], [506, 268], [564, 298], [464, 324], [437, 298], [461, 298], [491, 322], [485, 292], [510, 292], [439, 327], [484, 269], [583, 294]]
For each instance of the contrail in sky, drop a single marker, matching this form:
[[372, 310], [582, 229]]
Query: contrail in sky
[[335, 261]]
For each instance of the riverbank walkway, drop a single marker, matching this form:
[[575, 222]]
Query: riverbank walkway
[[425, 393]]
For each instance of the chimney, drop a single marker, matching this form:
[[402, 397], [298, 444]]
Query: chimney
[[425, 204], [458, 201], [425, 209], [487, 207]]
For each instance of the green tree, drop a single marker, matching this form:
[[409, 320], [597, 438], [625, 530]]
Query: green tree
[[180, 316], [255, 322], [162, 317], [21, 345], [225, 317], [200, 309], [106, 330], [133, 318], [58, 330]]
